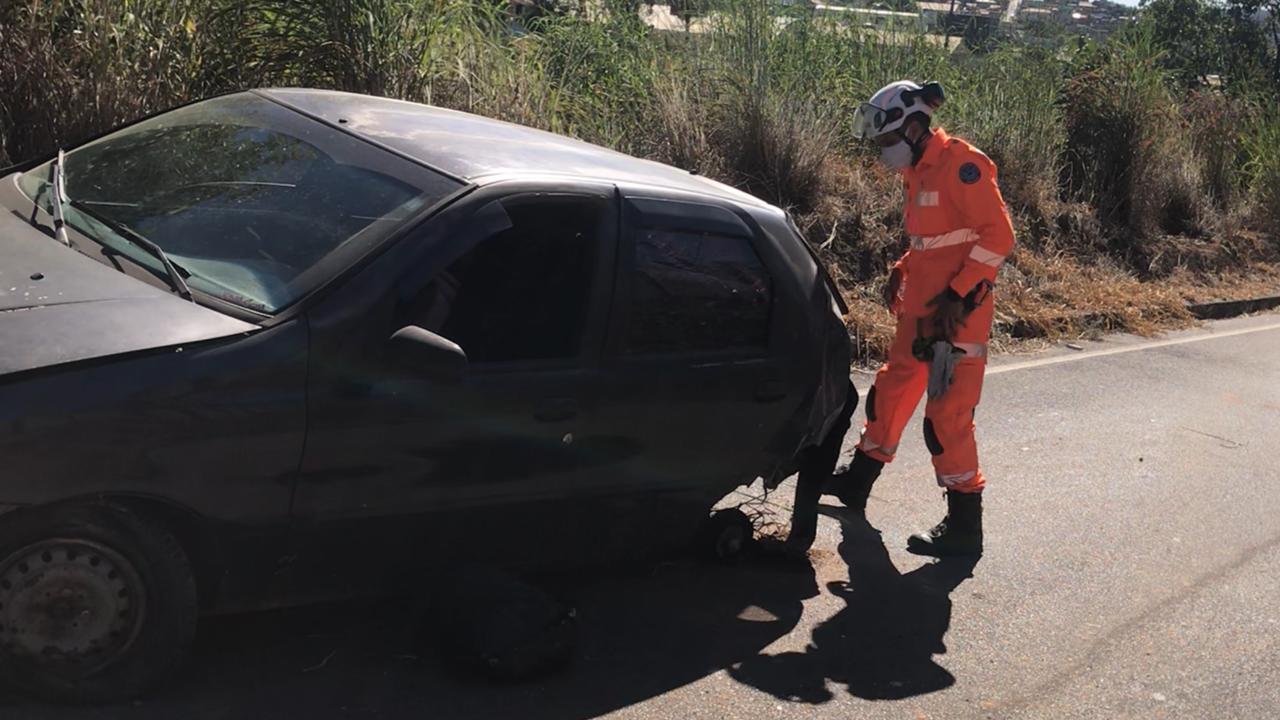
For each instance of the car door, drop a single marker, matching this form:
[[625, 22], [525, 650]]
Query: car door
[[702, 310], [520, 280]]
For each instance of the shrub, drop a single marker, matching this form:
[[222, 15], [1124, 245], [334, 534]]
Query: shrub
[[72, 68], [681, 135], [1261, 142], [1214, 122], [1128, 150], [378, 47]]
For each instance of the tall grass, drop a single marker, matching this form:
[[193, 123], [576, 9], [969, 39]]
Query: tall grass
[[1102, 156], [369, 46], [1261, 143], [1130, 151], [70, 68], [1010, 103], [604, 72]]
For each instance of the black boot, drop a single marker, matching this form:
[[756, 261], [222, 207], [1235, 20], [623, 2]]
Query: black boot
[[959, 533], [853, 485]]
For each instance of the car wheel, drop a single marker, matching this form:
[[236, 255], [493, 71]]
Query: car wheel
[[97, 604], [727, 534]]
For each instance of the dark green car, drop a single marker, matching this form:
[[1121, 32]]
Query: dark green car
[[291, 345]]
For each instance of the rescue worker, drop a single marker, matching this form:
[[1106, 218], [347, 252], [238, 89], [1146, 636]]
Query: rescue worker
[[941, 292]]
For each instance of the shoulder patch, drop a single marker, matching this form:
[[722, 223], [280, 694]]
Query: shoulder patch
[[969, 173]]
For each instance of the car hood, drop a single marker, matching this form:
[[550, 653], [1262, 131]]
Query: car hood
[[58, 306]]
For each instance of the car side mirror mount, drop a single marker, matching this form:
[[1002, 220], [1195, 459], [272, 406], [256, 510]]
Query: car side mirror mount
[[422, 351]]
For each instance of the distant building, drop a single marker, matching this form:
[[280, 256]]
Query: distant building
[[1092, 18], [871, 18], [974, 20], [934, 12]]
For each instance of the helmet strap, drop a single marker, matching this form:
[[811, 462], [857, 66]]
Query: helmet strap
[[917, 147]]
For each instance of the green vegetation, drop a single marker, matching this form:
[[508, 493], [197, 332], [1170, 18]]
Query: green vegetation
[[1140, 171]]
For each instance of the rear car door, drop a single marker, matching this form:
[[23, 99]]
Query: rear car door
[[702, 312]]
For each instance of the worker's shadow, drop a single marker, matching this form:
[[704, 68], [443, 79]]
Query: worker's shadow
[[881, 646]]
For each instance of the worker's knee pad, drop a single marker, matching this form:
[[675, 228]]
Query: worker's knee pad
[[931, 438]]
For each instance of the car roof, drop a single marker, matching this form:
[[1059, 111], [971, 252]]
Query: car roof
[[477, 148]]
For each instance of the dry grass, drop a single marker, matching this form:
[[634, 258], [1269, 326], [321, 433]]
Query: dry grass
[[1260, 279], [1048, 296], [871, 327], [1053, 295], [857, 223], [1225, 252], [780, 148], [684, 140]]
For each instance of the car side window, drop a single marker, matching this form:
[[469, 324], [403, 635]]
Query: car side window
[[524, 292], [697, 292]]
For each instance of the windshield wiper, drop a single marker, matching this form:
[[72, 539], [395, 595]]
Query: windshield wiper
[[133, 236], [58, 195]]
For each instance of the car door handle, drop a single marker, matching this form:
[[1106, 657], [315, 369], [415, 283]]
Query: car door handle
[[557, 410], [771, 390]]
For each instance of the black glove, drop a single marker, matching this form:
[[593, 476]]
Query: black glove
[[949, 313]]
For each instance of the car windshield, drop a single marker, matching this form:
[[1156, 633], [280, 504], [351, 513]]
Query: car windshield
[[257, 204]]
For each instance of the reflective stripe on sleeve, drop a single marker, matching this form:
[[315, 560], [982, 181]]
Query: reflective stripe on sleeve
[[986, 257], [933, 242]]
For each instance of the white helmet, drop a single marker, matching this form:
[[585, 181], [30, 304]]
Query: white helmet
[[890, 107]]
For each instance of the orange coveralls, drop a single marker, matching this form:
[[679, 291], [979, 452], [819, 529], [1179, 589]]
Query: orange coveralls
[[960, 236]]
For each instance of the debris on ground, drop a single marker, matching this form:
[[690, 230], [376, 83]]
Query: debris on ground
[[489, 622]]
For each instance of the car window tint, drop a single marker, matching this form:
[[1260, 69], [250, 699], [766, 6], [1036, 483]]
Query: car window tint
[[697, 292], [524, 292]]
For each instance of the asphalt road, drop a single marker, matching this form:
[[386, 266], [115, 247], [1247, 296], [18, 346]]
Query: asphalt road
[[1132, 570]]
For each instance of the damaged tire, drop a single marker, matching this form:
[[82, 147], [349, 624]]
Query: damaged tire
[[97, 604]]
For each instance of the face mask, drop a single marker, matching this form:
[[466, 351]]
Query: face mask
[[897, 156]]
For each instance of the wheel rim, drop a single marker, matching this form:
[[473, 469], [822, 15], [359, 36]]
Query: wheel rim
[[70, 606]]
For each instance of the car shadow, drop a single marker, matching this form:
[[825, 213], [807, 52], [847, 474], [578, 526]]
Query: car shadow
[[642, 633], [881, 646]]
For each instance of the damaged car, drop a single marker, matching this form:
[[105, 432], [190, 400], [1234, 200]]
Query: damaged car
[[285, 346]]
